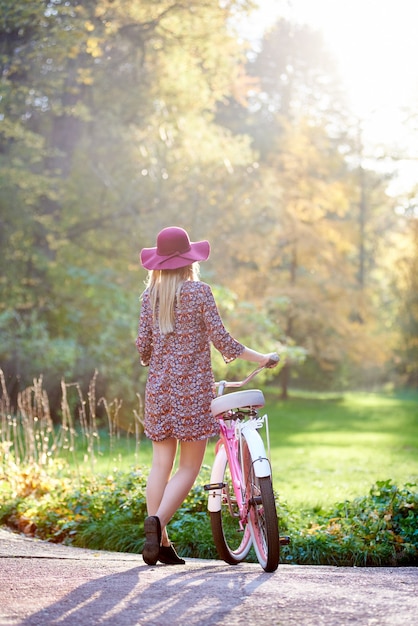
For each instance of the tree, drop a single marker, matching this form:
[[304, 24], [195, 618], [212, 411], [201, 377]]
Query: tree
[[406, 292], [105, 107], [294, 119], [324, 217]]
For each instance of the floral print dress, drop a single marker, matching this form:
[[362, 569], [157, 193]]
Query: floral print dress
[[180, 385]]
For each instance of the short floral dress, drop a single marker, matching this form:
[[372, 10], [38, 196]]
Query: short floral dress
[[180, 385]]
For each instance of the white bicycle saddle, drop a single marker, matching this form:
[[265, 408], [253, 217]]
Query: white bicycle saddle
[[250, 398]]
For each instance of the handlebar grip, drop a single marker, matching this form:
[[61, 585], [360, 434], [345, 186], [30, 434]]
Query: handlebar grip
[[273, 361]]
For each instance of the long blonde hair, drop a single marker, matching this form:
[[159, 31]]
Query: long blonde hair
[[164, 288]]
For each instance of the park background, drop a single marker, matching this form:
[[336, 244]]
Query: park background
[[236, 121]]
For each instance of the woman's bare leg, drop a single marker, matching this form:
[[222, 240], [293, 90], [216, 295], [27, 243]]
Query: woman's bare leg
[[163, 457], [165, 494]]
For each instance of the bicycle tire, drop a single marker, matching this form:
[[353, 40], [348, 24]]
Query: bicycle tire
[[262, 514], [232, 544]]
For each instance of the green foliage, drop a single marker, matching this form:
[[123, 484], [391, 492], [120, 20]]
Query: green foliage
[[86, 166], [91, 170], [375, 530], [29, 336], [101, 512], [49, 499], [41, 495], [407, 296], [107, 513], [117, 508], [190, 528]]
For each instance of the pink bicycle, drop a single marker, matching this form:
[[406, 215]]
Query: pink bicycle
[[241, 500]]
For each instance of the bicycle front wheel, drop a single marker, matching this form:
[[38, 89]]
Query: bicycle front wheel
[[232, 541], [262, 514]]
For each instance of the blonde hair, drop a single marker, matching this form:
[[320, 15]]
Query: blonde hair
[[164, 288]]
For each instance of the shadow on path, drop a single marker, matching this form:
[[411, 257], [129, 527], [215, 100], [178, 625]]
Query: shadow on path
[[134, 597]]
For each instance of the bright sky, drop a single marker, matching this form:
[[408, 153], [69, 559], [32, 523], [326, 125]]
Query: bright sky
[[375, 44]]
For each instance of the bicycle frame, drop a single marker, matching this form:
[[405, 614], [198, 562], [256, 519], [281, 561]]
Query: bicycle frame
[[227, 446], [230, 442]]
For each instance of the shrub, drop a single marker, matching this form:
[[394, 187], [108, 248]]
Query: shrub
[[378, 529], [107, 513]]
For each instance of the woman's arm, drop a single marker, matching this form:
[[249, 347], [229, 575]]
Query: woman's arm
[[257, 357]]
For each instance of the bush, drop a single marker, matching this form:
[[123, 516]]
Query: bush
[[101, 512], [375, 530], [107, 513]]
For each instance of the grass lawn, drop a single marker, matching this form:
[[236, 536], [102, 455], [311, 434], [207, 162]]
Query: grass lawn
[[324, 449], [328, 449]]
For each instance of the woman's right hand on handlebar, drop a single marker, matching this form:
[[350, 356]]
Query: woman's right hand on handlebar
[[272, 360]]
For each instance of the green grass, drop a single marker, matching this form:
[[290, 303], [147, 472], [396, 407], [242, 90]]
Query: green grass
[[324, 448], [328, 449], [120, 453], [345, 469]]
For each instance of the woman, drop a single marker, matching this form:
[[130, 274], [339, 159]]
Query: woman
[[178, 322]]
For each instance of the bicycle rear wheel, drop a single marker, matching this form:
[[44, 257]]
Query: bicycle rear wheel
[[262, 514], [232, 543]]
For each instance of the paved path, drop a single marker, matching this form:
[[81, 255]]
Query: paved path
[[42, 584]]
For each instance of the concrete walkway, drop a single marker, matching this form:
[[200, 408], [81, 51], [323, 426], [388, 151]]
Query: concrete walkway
[[42, 584]]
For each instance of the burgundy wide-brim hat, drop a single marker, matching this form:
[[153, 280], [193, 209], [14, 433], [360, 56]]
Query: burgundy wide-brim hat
[[174, 250]]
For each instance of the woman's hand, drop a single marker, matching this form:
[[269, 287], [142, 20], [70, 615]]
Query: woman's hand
[[272, 360]]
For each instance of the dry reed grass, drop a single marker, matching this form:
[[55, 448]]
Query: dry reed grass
[[29, 436]]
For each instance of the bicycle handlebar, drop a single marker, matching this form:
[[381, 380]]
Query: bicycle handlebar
[[222, 384]]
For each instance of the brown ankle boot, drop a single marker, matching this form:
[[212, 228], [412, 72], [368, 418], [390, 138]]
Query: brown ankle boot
[[169, 556], [151, 549]]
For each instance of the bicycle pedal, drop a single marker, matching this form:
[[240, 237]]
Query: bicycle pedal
[[284, 541], [213, 486]]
